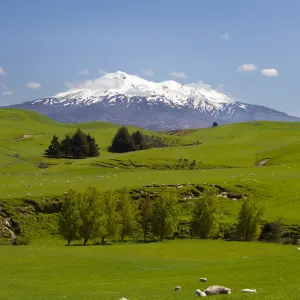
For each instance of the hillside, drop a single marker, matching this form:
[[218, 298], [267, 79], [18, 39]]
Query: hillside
[[226, 156], [128, 99]]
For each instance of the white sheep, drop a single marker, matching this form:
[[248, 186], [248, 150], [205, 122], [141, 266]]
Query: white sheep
[[248, 291], [203, 279], [216, 290], [123, 298], [200, 293], [177, 288]]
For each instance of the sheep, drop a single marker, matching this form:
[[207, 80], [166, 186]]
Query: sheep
[[203, 279], [248, 291], [216, 290], [177, 288], [123, 298], [200, 293]]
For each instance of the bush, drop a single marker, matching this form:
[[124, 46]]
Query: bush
[[272, 232], [21, 240]]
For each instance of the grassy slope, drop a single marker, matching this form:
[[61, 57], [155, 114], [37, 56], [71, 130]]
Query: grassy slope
[[149, 271], [236, 147]]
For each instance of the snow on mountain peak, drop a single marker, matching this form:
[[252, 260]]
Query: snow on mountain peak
[[121, 83]]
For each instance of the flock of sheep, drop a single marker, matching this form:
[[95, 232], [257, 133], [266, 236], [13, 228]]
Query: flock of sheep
[[212, 290]]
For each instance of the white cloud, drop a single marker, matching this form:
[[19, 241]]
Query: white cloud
[[247, 68], [148, 72], [33, 85], [225, 37], [178, 74], [269, 72], [2, 72], [3, 86], [83, 72], [8, 93], [102, 71], [94, 84]]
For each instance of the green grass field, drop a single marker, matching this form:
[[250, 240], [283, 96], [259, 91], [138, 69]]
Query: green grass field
[[149, 271], [226, 156]]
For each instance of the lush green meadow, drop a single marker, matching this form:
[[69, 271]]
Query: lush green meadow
[[149, 271], [225, 156]]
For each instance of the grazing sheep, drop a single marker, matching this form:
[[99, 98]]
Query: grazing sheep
[[248, 291], [200, 293], [123, 298], [203, 279], [177, 288], [216, 290]]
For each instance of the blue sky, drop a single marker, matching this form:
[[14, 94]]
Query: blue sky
[[45, 44]]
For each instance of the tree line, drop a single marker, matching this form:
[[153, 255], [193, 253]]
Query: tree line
[[95, 214], [123, 141], [79, 145]]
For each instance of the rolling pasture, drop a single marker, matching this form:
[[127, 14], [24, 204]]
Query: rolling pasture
[[226, 156]]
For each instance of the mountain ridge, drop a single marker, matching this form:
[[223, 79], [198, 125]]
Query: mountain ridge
[[127, 99]]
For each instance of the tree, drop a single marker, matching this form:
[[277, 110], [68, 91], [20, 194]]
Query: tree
[[165, 213], [215, 124], [89, 205], [249, 220], [122, 141], [128, 211], [69, 221], [109, 220], [54, 147], [66, 146], [137, 139], [93, 147], [145, 215], [205, 218], [80, 146]]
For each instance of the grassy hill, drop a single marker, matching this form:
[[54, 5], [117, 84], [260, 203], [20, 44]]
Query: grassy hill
[[226, 156]]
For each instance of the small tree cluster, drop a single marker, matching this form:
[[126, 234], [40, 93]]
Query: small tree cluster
[[113, 214], [79, 145], [123, 141], [205, 219]]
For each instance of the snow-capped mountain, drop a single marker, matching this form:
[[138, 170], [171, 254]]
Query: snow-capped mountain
[[127, 99]]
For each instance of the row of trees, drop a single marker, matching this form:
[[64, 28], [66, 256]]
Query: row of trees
[[79, 145], [123, 141], [113, 214]]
